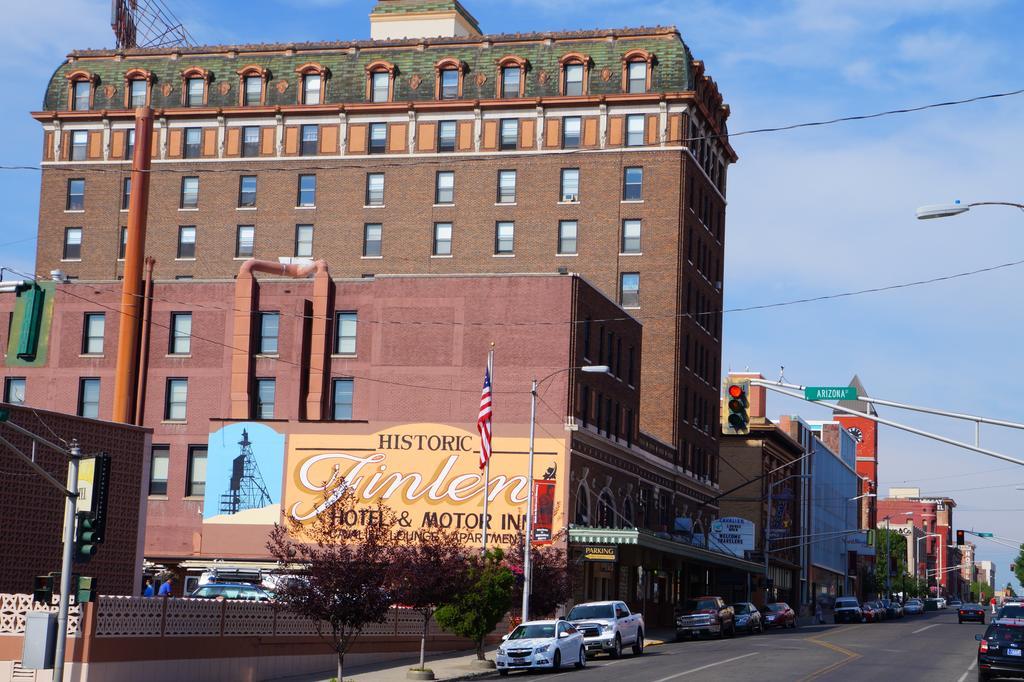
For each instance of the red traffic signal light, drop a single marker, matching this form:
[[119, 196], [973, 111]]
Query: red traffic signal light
[[960, 537], [738, 421]]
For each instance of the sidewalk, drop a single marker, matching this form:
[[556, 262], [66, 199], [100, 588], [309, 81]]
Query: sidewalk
[[455, 665]]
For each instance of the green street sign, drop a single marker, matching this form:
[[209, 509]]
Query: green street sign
[[830, 393], [984, 535]]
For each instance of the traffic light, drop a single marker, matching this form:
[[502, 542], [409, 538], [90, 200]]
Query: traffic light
[[871, 538], [960, 537], [85, 588], [5, 414], [738, 421], [42, 589], [86, 538]]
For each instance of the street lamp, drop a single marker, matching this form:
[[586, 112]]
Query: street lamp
[[956, 208], [527, 574], [859, 497], [767, 526]]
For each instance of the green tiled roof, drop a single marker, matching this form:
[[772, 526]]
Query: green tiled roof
[[347, 62]]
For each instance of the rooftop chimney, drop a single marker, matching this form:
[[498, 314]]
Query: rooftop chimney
[[398, 19]]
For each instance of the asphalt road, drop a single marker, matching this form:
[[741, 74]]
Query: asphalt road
[[932, 647]]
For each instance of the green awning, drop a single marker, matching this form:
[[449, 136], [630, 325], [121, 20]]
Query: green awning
[[641, 538]]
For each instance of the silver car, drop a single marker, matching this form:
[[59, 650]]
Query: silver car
[[545, 644]]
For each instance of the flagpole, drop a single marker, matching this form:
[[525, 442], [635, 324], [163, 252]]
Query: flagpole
[[487, 466]]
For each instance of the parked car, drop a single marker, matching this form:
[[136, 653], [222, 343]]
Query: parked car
[[547, 644], [608, 626], [874, 611], [954, 603], [705, 615], [913, 607], [221, 591], [892, 608], [1011, 610], [848, 610], [748, 618], [975, 612], [779, 615], [1001, 652]]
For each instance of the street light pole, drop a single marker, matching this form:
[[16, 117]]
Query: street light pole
[[70, 507], [956, 208]]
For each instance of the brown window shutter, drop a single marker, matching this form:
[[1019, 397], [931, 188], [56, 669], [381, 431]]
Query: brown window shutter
[[95, 150], [615, 130], [675, 129], [65, 146], [154, 146], [329, 139], [267, 142], [357, 139], [291, 140], [117, 144], [174, 143], [490, 135], [590, 131], [527, 133], [398, 137], [552, 133], [48, 146], [209, 142], [465, 141], [234, 145], [426, 137], [652, 129]]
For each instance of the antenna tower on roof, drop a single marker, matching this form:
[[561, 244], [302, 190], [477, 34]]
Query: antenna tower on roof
[[147, 23]]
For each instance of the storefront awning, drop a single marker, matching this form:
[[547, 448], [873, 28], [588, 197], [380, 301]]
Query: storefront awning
[[642, 538]]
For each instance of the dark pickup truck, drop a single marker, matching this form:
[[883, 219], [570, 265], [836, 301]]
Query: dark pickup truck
[[705, 615]]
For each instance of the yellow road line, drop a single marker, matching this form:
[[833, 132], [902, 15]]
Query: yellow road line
[[850, 656]]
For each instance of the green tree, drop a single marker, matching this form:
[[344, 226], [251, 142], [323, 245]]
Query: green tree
[[890, 550], [486, 596], [1010, 592], [1018, 566]]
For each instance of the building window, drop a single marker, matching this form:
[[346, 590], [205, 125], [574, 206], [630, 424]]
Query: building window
[[193, 143], [196, 96], [181, 334], [251, 141], [72, 243], [244, 241], [14, 390], [444, 192], [378, 138], [374, 189], [442, 239], [510, 133], [449, 83], [253, 95], [446, 131], [571, 126], [186, 242], [263, 407], [504, 238], [380, 86], [159, 463], [247, 191], [631, 370], [637, 74], [633, 184], [506, 187], [79, 145], [342, 399], [629, 290], [176, 399], [122, 247], [126, 193], [567, 233], [345, 339], [92, 334], [76, 195], [630, 236], [303, 241], [190, 192], [371, 240], [511, 81], [574, 80], [81, 95], [89, 398], [270, 324], [570, 185], [307, 191], [311, 88], [195, 484], [129, 144], [310, 140], [635, 130], [137, 93]]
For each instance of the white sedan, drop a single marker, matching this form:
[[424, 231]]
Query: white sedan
[[541, 644]]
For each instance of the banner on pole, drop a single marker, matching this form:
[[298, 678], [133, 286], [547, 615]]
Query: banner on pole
[[543, 511]]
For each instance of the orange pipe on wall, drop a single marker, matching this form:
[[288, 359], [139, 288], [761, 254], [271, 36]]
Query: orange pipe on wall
[[147, 311]]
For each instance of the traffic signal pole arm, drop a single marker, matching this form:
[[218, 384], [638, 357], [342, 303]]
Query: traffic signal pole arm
[[35, 467]]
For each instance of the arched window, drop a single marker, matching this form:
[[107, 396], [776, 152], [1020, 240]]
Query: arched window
[[81, 90], [448, 77], [138, 86], [195, 87], [380, 81], [511, 81], [582, 517], [312, 83], [606, 510], [636, 71], [575, 80], [627, 513], [252, 86]]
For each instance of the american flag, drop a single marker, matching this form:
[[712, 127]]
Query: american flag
[[483, 420]]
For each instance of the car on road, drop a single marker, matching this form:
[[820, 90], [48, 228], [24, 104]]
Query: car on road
[[873, 611], [1001, 649], [544, 644], [748, 618], [954, 603], [848, 610], [705, 615], [975, 612], [1011, 610], [232, 591], [608, 626], [892, 608], [779, 615], [913, 607]]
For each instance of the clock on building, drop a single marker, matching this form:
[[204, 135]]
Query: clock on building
[[857, 434]]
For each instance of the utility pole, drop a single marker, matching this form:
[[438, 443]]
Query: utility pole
[[528, 547], [70, 507]]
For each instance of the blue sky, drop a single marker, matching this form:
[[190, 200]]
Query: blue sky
[[811, 212]]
